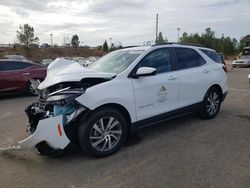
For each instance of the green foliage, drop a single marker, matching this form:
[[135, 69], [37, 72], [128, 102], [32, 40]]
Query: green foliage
[[226, 45], [244, 41], [26, 37], [105, 46], [75, 41], [115, 46], [112, 47], [99, 47], [160, 39]]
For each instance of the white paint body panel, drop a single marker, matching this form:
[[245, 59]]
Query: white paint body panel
[[156, 94], [47, 131]]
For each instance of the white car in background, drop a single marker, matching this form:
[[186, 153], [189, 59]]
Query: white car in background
[[14, 57], [81, 60], [46, 62], [90, 60], [244, 60], [128, 89]]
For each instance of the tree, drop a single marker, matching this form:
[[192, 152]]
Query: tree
[[224, 44], [26, 37], [112, 47], [105, 46], [244, 41], [75, 41], [159, 39]]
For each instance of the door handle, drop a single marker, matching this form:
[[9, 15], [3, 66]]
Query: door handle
[[26, 73], [206, 71], [172, 77]]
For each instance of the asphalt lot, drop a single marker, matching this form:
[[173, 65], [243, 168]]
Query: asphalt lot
[[186, 152]]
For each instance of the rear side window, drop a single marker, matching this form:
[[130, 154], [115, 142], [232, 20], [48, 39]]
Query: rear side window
[[187, 58], [12, 65], [212, 54], [159, 59]]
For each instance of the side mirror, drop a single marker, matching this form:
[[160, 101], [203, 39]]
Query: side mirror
[[145, 71]]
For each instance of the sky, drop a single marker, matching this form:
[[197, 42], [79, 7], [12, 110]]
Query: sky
[[130, 22]]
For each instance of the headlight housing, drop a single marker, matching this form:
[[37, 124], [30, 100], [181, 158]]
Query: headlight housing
[[64, 96]]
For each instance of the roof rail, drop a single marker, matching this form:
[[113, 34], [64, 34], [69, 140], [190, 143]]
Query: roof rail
[[180, 43], [129, 47]]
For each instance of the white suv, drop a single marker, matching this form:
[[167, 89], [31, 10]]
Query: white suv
[[96, 108]]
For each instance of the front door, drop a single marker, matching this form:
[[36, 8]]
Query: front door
[[157, 94]]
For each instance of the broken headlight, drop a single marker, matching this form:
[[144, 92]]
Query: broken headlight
[[64, 96]]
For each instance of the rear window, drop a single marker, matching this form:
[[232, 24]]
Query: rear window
[[11, 65], [188, 58], [246, 51], [212, 55]]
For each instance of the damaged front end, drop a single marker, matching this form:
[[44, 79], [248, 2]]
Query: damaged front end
[[51, 118]]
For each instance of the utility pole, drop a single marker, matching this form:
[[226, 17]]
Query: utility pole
[[178, 34], [156, 33], [51, 39]]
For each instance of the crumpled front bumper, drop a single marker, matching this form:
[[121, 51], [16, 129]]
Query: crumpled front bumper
[[49, 130]]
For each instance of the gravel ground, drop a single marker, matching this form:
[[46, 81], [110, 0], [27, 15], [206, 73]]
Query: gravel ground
[[186, 152]]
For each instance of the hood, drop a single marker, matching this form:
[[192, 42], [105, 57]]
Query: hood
[[63, 70]]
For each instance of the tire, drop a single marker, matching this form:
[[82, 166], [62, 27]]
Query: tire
[[30, 91], [211, 104], [102, 133], [44, 149]]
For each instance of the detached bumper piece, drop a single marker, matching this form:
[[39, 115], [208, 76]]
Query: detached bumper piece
[[49, 134]]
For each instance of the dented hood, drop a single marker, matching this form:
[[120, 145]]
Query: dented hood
[[63, 70]]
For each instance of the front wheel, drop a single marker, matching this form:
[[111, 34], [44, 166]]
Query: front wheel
[[211, 104], [30, 90], [102, 133]]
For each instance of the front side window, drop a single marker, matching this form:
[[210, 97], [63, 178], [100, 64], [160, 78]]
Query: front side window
[[188, 58], [11, 66], [212, 54], [159, 59], [115, 62]]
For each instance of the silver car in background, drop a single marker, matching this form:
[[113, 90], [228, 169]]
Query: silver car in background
[[244, 60]]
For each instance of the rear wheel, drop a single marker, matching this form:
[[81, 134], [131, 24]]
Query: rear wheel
[[211, 104], [102, 133]]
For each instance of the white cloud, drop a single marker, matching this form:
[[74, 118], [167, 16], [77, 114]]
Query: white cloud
[[130, 22]]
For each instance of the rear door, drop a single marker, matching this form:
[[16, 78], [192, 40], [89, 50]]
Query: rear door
[[158, 94], [194, 74]]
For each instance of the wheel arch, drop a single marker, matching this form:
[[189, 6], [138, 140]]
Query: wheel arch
[[217, 86]]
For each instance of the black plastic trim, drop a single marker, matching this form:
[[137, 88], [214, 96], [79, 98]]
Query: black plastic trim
[[166, 116]]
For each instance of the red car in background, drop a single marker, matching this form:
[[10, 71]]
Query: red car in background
[[15, 76]]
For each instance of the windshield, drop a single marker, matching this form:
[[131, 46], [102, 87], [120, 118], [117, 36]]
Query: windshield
[[115, 62]]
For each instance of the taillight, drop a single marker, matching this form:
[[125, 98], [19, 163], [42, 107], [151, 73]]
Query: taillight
[[224, 68]]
